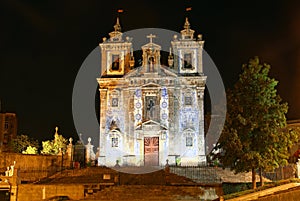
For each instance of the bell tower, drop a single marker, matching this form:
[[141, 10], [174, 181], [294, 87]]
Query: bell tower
[[151, 56], [116, 53], [188, 51]]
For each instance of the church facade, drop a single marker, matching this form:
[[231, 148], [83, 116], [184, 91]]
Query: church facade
[[152, 113]]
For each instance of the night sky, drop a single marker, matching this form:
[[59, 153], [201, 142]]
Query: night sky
[[43, 44]]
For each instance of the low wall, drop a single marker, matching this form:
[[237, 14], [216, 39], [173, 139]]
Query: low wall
[[28, 161], [33, 167], [34, 192], [292, 195]]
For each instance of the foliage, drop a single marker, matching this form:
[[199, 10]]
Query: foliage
[[21, 142], [30, 150], [53, 147], [254, 136]]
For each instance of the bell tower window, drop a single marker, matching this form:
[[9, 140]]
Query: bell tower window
[[188, 61], [115, 62]]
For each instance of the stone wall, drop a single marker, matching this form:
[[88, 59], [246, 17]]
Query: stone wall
[[31, 167], [289, 195], [34, 192]]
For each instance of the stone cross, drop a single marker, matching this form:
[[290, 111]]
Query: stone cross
[[151, 36]]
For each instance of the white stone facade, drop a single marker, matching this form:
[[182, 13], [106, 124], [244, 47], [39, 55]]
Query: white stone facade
[[151, 113]]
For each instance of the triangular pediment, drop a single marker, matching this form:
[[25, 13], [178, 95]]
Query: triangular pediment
[[150, 122], [151, 46], [162, 72], [154, 125], [151, 84]]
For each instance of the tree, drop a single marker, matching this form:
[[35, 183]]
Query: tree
[[21, 142], [253, 135], [30, 150], [53, 147]]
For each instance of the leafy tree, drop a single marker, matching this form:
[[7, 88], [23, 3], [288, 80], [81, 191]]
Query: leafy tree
[[30, 150], [53, 147], [253, 135], [21, 142]]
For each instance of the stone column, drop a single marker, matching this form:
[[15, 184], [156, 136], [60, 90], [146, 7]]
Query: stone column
[[102, 143], [201, 139]]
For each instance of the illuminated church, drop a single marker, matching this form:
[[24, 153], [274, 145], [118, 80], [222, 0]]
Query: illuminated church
[[152, 113]]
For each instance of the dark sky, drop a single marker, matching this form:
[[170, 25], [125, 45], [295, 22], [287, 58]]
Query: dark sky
[[43, 44]]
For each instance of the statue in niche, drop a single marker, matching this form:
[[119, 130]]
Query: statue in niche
[[150, 109], [151, 63], [114, 125]]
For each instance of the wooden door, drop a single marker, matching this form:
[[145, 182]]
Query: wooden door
[[151, 151]]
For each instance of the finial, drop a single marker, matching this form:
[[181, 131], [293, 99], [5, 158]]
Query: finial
[[199, 36], [80, 137], [89, 140], [117, 26], [186, 24], [56, 129]]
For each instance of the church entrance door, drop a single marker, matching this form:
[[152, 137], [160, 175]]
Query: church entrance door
[[151, 151]]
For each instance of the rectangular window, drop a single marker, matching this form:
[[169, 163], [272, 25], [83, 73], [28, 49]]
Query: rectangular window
[[114, 142], [189, 141], [188, 100]]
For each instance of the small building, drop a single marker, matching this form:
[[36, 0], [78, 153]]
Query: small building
[[8, 130]]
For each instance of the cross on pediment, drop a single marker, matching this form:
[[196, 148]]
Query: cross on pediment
[[151, 36]]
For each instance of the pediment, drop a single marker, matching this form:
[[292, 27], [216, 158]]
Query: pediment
[[189, 130], [163, 72], [151, 84], [151, 45], [150, 122], [153, 126]]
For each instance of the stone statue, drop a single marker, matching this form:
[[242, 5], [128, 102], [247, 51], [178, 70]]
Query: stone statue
[[150, 108]]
